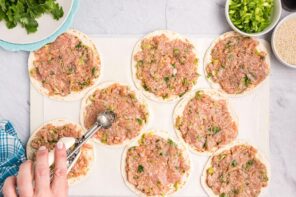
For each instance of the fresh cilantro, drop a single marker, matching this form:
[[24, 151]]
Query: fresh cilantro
[[25, 12], [171, 142]]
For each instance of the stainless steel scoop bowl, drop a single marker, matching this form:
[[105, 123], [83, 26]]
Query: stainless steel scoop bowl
[[104, 120]]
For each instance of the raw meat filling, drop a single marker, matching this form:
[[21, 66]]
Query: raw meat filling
[[49, 135], [237, 172], [206, 123], [157, 166], [166, 67], [237, 65], [131, 114], [65, 66]]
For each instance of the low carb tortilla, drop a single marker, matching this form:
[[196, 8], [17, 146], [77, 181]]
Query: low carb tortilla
[[87, 153], [180, 107], [136, 142], [139, 84], [208, 167], [88, 100], [73, 95], [208, 59]]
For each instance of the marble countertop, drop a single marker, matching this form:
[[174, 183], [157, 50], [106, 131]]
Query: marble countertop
[[124, 17]]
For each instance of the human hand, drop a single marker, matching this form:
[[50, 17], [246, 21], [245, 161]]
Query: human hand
[[42, 187]]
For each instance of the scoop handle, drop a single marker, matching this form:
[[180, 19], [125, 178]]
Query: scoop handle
[[67, 141]]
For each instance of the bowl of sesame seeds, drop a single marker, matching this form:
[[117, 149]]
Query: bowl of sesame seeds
[[284, 41]]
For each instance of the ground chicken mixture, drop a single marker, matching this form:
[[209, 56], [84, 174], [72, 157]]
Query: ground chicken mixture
[[237, 65], [166, 67], [49, 135], [156, 166], [237, 172], [206, 123], [131, 114], [65, 66]]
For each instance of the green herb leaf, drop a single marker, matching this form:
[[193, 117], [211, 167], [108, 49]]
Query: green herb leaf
[[25, 12], [171, 142], [140, 121], [249, 164], [209, 75], [234, 163], [140, 169], [223, 195], [214, 130], [166, 79], [94, 71], [247, 81], [79, 45]]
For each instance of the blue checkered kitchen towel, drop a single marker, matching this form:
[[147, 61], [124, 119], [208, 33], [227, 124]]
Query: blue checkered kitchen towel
[[12, 152]]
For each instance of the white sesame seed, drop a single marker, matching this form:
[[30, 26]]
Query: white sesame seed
[[285, 41]]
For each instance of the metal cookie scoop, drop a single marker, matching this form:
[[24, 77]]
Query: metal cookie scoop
[[104, 120]]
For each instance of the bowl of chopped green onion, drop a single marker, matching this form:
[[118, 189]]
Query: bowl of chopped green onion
[[252, 17]]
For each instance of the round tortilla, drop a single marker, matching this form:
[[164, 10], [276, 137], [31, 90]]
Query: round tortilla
[[73, 95], [135, 142], [208, 190], [89, 152], [86, 102], [178, 111], [208, 59], [138, 83]]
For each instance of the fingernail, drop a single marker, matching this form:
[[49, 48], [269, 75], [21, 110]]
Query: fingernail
[[60, 145], [42, 148]]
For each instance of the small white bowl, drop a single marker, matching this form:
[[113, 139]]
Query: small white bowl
[[275, 18], [273, 40]]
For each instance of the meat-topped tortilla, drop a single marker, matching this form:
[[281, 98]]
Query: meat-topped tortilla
[[131, 112], [164, 65], [236, 64], [50, 133], [236, 171], [205, 121], [155, 165], [65, 68]]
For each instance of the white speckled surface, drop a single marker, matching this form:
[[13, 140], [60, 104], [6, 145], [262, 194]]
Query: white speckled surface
[[185, 16]]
